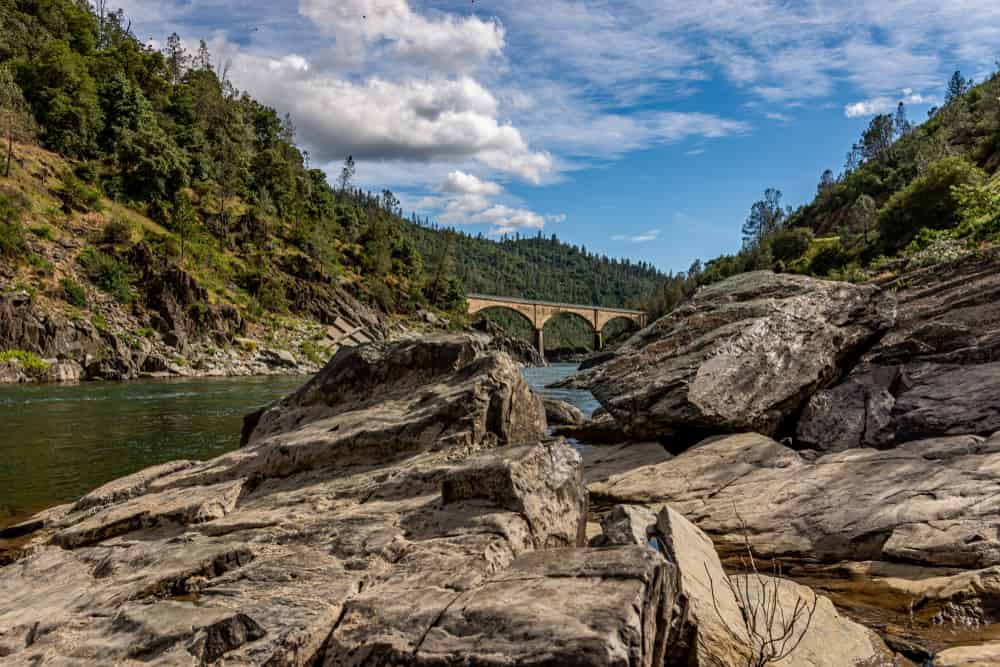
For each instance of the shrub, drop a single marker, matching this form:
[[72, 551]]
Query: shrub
[[790, 243], [828, 258], [74, 293], [43, 232], [272, 297], [198, 312], [12, 205], [99, 322], [86, 172], [29, 362], [76, 195], [12, 244], [929, 201], [108, 273], [118, 231]]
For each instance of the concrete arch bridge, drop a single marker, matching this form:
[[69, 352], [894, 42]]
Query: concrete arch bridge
[[540, 312]]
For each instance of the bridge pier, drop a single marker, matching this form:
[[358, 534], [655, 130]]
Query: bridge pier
[[598, 341], [540, 341]]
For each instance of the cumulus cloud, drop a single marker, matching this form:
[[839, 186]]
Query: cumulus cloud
[[448, 42], [885, 104], [459, 182], [650, 235], [414, 120]]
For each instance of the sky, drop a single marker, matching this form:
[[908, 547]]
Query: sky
[[636, 128]]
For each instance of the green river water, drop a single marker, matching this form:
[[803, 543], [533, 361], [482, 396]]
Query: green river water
[[57, 442]]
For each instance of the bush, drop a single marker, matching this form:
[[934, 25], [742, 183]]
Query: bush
[[109, 274], [12, 205], [790, 243], [29, 362], [12, 244], [118, 231], [198, 312], [43, 232], [86, 172], [76, 195], [74, 293], [929, 201], [828, 258]]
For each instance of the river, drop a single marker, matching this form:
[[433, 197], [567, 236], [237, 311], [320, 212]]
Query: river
[[60, 441]]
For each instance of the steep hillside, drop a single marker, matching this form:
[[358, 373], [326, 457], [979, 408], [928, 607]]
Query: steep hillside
[[909, 196]]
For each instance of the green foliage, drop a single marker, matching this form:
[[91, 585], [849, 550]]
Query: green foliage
[[99, 322], [198, 312], [12, 243], [118, 231], [45, 232], [829, 257], [108, 273], [73, 293], [12, 205], [77, 195], [62, 93], [29, 362], [927, 202], [790, 244]]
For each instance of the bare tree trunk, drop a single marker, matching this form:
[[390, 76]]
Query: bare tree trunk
[[10, 151]]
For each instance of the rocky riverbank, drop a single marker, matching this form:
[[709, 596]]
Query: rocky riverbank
[[172, 335], [407, 506], [403, 507]]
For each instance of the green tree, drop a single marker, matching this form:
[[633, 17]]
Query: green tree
[[957, 86], [346, 177], [766, 217], [928, 202], [877, 137], [183, 218], [63, 96]]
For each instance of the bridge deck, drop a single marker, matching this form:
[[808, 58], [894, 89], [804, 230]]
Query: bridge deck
[[512, 299]]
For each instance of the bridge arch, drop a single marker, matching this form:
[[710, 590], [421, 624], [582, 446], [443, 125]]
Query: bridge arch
[[540, 312], [569, 329]]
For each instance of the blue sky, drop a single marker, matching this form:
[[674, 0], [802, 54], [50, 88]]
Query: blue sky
[[640, 128]]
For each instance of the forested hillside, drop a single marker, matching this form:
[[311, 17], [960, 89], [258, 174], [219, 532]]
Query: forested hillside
[[539, 267], [136, 181], [908, 195]]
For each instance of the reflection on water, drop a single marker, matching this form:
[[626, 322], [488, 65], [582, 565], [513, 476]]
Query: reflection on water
[[59, 442]]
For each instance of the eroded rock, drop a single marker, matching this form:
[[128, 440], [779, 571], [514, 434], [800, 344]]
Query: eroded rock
[[743, 354], [932, 502]]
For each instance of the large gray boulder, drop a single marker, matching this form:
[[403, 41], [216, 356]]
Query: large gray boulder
[[935, 373], [933, 502], [744, 354]]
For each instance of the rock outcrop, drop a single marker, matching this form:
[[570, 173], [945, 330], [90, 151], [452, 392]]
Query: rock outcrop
[[561, 413], [744, 354], [932, 502], [934, 374], [403, 508]]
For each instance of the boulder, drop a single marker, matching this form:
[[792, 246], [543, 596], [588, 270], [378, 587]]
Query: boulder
[[561, 413], [933, 374], [982, 655], [709, 629], [599, 430], [626, 524], [743, 354], [601, 463], [820, 638], [933, 502]]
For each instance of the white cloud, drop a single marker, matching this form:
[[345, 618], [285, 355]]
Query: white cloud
[[650, 235], [695, 151], [446, 43], [459, 182], [415, 120], [877, 105], [780, 117]]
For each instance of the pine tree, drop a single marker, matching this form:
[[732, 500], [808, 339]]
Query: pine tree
[[901, 124], [957, 86], [176, 58], [346, 174]]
